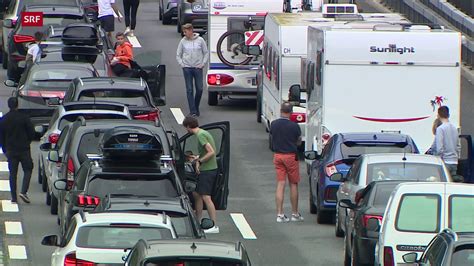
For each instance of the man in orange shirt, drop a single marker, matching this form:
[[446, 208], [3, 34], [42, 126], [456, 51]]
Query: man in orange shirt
[[123, 54]]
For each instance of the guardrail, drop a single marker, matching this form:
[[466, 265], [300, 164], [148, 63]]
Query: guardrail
[[416, 12]]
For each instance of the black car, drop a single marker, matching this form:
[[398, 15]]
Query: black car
[[178, 209], [46, 80], [194, 12], [447, 248], [362, 225], [21, 37], [141, 97]]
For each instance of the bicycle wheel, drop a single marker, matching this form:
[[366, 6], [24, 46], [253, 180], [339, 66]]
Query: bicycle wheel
[[229, 48]]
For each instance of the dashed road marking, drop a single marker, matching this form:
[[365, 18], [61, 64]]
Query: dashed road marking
[[13, 228], [178, 115], [134, 41], [4, 185], [3, 166], [8, 206], [243, 226], [17, 252]]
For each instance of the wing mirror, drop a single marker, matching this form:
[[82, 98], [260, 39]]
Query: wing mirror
[[294, 95], [251, 50], [312, 155], [46, 146], [207, 223], [51, 240], [60, 184], [410, 257], [40, 130], [53, 156], [346, 203], [8, 23], [337, 177]]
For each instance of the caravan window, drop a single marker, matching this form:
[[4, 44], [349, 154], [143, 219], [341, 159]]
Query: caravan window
[[243, 24], [310, 78], [319, 67], [270, 63]]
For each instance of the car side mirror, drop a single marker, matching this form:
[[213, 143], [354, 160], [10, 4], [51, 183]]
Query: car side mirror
[[8, 23], [60, 184], [294, 94], [40, 130], [54, 101], [457, 178], [51, 240], [312, 155], [207, 223], [410, 257], [10, 83], [251, 49], [373, 224], [337, 177], [53, 156], [347, 203], [46, 146]]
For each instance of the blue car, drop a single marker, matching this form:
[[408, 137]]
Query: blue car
[[337, 156]]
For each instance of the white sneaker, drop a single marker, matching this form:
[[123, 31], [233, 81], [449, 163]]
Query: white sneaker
[[281, 218], [127, 30], [212, 230], [131, 34], [297, 217]]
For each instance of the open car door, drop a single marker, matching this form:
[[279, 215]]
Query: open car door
[[155, 74], [220, 131], [465, 162]]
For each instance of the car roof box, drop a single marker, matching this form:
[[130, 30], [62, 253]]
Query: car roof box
[[130, 143], [87, 54], [80, 34]]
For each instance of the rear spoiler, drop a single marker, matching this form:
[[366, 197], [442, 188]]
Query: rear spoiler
[[350, 143]]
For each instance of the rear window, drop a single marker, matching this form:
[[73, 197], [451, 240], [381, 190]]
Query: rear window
[[201, 261], [182, 224], [67, 119], [136, 185], [382, 194], [118, 237], [418, 213], [48, 74], [460, 207], [463, 255], [405, 171], [352, 151], [127, 97], [89, 144]]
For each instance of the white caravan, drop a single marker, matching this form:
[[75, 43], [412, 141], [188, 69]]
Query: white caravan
[[234, 17], [387, 78]]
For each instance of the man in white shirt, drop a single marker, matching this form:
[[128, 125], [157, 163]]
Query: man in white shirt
[[33, 55], [106, 16]]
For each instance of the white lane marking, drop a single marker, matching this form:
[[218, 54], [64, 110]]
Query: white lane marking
[[13, 228], [3, 166], [119, 14], [4, 185], [178, 115], [8, 206], [243, 226], [17, 252], [134, 41]]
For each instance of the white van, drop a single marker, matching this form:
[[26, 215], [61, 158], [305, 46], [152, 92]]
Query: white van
[[416, 212]]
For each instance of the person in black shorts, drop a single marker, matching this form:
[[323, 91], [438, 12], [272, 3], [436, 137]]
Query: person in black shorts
[[106, 16]]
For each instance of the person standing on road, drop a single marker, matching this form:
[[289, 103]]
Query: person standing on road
[[206, 170], [285, 139], [130, 8], [17, 134], [106, 16], [192, 55], [447, 144]]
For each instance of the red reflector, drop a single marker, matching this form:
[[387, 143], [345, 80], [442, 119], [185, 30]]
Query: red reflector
[[331, 167], [219, 79], [262, 14], [392, 63], [152, 116], [388, 259], [17, 38], [70, 173], [71, 260], [298, 117], [53, 138]]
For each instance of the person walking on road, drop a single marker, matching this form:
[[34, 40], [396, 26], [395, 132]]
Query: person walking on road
[[447, 144], [192, 54], [285, 139], [206, 170], [17, 134], [106, 16], [130, 8]]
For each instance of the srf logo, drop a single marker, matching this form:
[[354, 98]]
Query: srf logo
[[32, 19]]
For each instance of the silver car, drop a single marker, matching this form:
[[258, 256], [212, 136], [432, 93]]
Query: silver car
[[388, 166]]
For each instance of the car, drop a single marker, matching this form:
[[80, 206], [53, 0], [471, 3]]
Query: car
[[363, 224], [187, 252], [416, 212], [64, 115], [445, 249], [178, 209], [21, 37], [168, 10], [194, 12], [385, 166], [46, 80], [104, 238], [337, 155], [141, 97]]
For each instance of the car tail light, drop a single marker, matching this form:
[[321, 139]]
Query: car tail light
[[219, 79], [85, 200], [53, 138], [298, 117], [367, 217], [71, 260], [29, 93], [17, 38], [70, 173], [330, 194], [152, 116], [331, 167], [388, 259], [44, 94]]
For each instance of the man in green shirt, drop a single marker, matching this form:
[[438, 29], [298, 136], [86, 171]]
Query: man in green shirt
[[206, 170]]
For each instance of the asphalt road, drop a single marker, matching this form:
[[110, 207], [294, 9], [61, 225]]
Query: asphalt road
[[252, 176]]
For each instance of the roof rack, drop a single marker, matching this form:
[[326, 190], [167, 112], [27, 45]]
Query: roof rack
[[83, 215], [450, 232], [82, 119]]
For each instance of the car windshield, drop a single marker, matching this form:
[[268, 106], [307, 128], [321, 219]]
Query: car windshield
[[350, 150], [127, 97], [70, 118], [382, 194], [118, 236], [405, 171], [200, 261], [459, 207], [463, 255], [101, 186]]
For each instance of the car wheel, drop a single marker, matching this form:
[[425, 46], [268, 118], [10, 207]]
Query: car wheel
[[44, 183], [312, 207], [347, 256], [259, 108], [212, 98], [160, 14], [167, 20], [48, 198], [4, 60], [40, 177], [338, 228], [54, 204]]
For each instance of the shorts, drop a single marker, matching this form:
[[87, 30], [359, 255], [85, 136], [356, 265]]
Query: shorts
[[206, 181], [107, 23], [287, 164]]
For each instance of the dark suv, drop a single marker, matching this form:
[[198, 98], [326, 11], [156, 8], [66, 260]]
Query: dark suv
[[338, 154], [194, 12]]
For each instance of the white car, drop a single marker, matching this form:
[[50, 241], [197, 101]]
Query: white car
[[385, 166], [63, 115], [416, 212], [105, 238]]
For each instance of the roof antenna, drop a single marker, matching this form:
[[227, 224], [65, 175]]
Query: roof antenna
[[193, 247], [146, 203]]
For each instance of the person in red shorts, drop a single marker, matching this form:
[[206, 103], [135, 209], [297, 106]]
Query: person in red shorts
[[286, 137]]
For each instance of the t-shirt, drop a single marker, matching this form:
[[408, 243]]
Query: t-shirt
[[285, 135], [105, 7], [447, 144], [204, 138], [35, 51]]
